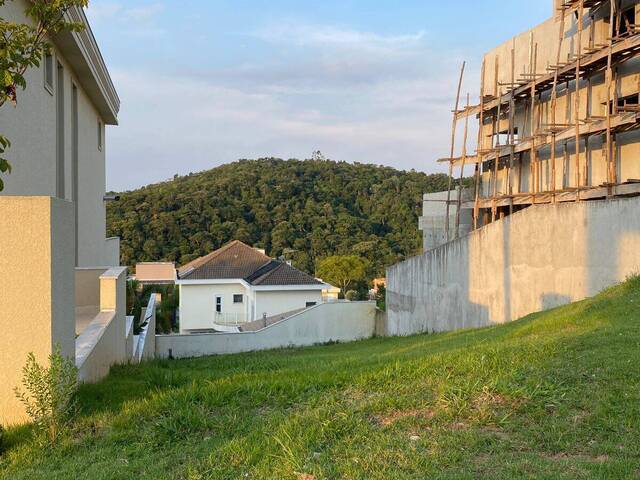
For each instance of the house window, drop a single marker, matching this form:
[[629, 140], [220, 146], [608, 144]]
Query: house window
[[48, 73], [311, 304], [238, 298], [99, 135], [218, 304]]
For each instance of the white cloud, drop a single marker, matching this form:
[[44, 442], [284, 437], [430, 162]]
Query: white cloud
[[137, 21], [322, 36]]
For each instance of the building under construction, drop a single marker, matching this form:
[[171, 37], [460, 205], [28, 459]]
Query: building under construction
[[558, 113]]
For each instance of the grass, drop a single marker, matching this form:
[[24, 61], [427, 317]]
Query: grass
[[553, 396]]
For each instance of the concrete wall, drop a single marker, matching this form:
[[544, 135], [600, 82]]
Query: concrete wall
[[276, 302], [340, 321], [434, 217], [540, 258], [36, 289], [32, 128], [103, 342], [146, 347], [156, 271]]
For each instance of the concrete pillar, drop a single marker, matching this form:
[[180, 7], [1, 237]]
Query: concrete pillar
[[37, 289]]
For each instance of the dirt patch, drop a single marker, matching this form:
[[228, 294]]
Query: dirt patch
[[489, 399], [306, 476], [393, 417], [567, 457]]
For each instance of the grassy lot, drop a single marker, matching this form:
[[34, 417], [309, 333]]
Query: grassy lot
[[554, 396]]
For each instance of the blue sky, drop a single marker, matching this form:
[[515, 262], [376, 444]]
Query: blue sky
[[206, 82]]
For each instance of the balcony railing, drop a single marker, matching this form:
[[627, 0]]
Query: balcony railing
[[231, 318]]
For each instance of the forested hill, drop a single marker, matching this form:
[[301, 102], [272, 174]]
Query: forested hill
[[305, 210]]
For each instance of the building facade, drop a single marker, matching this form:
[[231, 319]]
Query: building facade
[[58, 135], [62, 287], [558, 112]]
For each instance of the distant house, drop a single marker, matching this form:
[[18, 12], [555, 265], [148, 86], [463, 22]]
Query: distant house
[[156, 273], [238, 284]]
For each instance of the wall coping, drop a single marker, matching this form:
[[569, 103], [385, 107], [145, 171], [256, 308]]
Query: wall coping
[[91, 336]]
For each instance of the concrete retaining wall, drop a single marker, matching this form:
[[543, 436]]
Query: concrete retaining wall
[[537, 259], [340, 321], [103, 342]]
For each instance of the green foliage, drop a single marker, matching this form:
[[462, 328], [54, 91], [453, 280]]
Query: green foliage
[[303, 210], [23, 46], [351, 295], [381, 298], [48, 394], [342, 271], [138, 297]]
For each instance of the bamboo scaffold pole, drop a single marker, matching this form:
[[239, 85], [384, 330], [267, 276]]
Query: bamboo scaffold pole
[[534, 150], [554, 104], [611, 172], [512, 135], [480, 147], [497, 157], [453, 146], [464, 160], [577, 99]]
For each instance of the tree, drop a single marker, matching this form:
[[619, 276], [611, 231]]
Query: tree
[[23, 46], [342, 271]]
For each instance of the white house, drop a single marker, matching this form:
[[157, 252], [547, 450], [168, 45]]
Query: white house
[[238, 284]]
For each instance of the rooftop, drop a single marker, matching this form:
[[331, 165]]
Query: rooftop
[[237, 260]]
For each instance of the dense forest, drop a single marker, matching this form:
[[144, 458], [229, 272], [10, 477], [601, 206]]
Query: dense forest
[[303, 210]]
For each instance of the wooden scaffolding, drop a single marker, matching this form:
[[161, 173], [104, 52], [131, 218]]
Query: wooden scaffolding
[[526, 91]]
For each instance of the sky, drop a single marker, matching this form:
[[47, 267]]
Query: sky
[[207, 82]]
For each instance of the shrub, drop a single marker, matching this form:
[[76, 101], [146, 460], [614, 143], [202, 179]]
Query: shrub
[[351, 295], [49, 394]]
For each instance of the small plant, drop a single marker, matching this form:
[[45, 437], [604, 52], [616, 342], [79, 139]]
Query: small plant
[[1, 440], [49, 393]]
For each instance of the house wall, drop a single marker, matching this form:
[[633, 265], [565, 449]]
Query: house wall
[[160, 271], [197, 304], [536, 259], [328, 322], [31, 127], [277, 302], [36, 297]]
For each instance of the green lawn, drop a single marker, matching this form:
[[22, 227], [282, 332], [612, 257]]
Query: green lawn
[[555, 395]]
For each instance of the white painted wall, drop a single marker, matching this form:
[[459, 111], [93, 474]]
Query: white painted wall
[[278, 301], [198, 307], [31, 127], [338, 321]]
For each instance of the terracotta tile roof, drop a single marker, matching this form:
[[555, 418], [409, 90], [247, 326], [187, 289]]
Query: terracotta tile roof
[[237, 260], [281, 273], [234, 260]]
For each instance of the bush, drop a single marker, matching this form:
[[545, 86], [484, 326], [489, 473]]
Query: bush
[[49, 394], [351, 295]]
